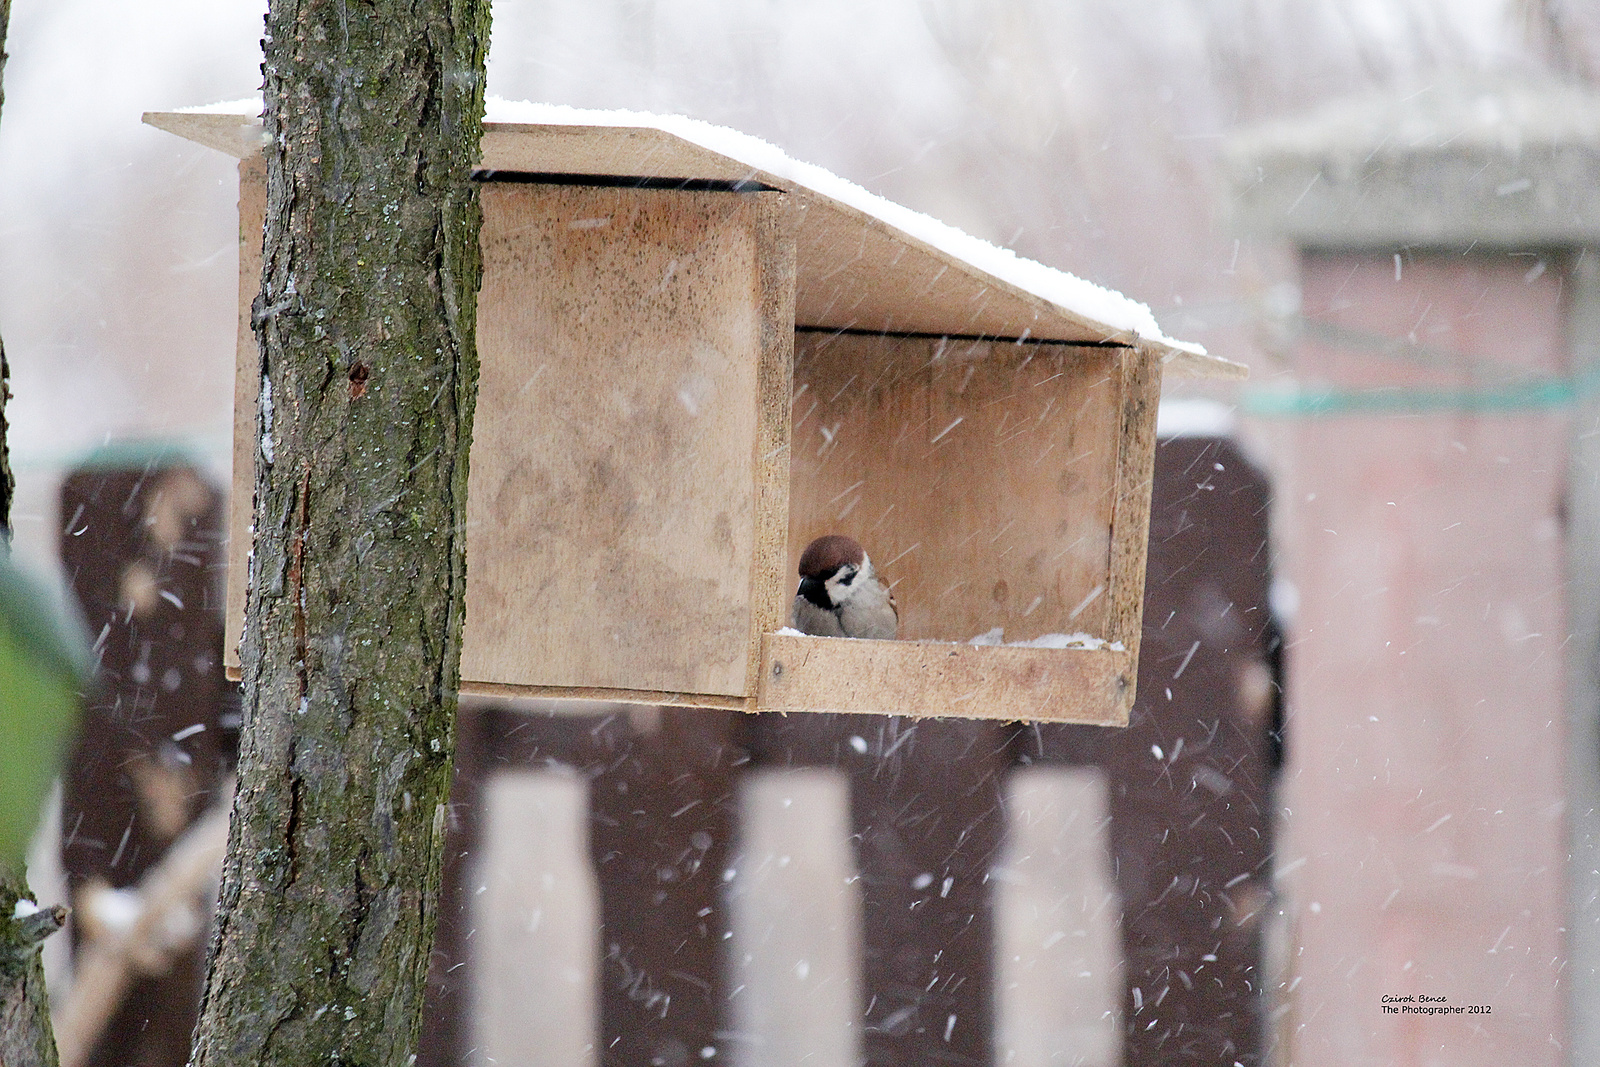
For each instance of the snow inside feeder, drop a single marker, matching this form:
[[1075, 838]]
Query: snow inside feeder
[[698, 354]]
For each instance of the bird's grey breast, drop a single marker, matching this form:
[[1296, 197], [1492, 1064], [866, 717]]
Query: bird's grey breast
[[810, 619]]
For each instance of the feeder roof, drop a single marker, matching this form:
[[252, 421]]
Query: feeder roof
[[863, 262]]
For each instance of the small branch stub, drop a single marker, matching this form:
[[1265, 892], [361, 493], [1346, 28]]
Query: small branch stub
[[34, 928], [24, 926]]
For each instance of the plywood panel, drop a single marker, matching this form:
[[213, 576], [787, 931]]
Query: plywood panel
[[857, 272], [611, 514], [924, 678], [240, 136], [246, 386], [634, 151], [980, 477], [606, 694], [1139, 394], [769, 580], [855, 269]]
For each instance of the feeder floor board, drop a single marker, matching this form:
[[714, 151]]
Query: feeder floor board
[[928, 679]]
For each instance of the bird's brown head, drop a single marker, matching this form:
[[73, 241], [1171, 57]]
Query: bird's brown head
[[827, 554], [823, 559]]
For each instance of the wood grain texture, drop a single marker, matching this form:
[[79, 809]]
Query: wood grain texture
[[607, 694], [611, 514], [1197, 365], [1139, 390], [630, 150], [858, 272], [854, 270], [978, 476], [769, 579], [239, 136], [927, 679], [644, 550], [246, 392]]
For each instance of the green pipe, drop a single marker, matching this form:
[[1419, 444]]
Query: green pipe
[[1535, 394]]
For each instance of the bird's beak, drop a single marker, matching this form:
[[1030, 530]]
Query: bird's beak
[[813, 590]]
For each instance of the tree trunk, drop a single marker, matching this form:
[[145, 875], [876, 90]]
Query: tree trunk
[[26, 1039], [8, 483], [353, 622]]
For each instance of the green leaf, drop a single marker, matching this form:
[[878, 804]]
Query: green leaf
[[44, 666]]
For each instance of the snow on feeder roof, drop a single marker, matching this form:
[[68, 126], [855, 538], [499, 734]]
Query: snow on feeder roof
[[864, 262], [762, 353]]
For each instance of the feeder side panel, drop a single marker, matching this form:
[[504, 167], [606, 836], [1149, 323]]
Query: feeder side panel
[[246, 386], [611, 511], [770, 586], [1140, 390]]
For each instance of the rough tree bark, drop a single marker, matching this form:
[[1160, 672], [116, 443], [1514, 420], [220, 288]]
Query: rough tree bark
[[352, 637], [26, 1039], [8, 482]]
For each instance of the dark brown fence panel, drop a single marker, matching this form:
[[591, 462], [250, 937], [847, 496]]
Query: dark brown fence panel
[[1191, 776], [141, 549]]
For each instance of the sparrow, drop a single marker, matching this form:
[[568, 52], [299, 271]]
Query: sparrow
[[840, 595]]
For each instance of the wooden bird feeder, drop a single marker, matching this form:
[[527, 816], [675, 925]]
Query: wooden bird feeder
[[697, 355]]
